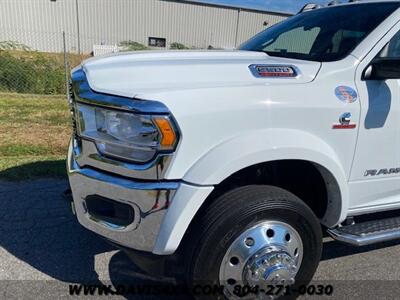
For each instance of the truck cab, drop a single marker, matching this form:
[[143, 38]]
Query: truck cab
[[227, 166]]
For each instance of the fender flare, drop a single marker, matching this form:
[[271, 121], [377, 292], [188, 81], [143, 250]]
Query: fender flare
[[238, 153]]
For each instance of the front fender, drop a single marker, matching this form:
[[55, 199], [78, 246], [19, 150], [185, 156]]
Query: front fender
[[267, 145], [238, 153]]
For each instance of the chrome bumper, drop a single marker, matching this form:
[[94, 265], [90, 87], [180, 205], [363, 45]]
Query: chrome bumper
[[149, 202]]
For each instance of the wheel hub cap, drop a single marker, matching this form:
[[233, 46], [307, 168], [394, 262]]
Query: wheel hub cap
[[271, 266], [269, 253]]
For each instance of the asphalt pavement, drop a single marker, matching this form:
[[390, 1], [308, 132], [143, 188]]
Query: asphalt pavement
[[43, 250]]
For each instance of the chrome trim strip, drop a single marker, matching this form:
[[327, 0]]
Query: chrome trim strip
[[86, 154], [84, 93], [119, 181], [363, 240]]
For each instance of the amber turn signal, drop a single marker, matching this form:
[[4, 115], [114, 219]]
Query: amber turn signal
[[168, 134]]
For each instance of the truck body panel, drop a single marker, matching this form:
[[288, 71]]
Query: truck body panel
[[228, 119]]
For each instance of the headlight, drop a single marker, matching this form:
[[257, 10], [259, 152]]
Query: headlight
[[125, 135]]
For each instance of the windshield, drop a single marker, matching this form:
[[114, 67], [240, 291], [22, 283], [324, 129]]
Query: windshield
[[326, 34]]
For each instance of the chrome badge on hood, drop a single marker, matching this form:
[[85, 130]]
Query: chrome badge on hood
[[280, 71]]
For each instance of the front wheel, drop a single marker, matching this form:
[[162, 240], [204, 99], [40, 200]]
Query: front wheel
[[253, 238]]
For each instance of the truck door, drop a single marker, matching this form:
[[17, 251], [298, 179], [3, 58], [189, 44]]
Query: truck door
[[375, 177]]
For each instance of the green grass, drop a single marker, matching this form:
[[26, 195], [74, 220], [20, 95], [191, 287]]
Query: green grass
[[34, 135], [19, 150]]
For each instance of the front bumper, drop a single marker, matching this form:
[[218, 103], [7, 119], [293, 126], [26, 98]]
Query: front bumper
[[149, 202]]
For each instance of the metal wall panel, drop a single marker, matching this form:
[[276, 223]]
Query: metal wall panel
[[251, 23], [39, 24], [192, 25]]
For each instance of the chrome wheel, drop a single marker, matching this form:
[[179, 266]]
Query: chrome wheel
[[269, 253]]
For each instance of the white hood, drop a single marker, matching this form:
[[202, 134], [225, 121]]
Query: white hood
[[139, 74]]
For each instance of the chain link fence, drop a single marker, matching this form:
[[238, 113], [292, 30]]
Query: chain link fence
[[24, 69], [36, 56]]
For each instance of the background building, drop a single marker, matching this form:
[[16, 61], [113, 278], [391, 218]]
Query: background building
[[39, 24]]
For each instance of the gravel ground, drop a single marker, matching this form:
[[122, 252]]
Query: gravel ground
[[43, 249]]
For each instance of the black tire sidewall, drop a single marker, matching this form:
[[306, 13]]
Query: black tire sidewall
[[286, 208]]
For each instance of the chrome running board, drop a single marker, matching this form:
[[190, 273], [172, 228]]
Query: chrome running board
[[367, 233]]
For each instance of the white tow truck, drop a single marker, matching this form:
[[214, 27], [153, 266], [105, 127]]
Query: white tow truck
[[227, 166]]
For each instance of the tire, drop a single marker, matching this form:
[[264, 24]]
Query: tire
[[241, 210]]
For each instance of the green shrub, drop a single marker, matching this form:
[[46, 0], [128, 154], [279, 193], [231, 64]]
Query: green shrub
[[31, 72], [178, 46], [132, 46], [12, 45]]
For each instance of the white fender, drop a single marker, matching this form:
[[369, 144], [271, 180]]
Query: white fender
[[238, 153]]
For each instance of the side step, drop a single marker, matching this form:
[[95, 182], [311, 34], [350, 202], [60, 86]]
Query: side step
[[366, 233]]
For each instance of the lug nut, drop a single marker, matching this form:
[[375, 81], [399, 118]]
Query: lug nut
[[264, 262]]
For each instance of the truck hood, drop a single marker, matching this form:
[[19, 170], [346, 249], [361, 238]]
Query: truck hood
[[140, 74]]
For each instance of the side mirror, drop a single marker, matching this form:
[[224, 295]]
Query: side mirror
[[382, 69]]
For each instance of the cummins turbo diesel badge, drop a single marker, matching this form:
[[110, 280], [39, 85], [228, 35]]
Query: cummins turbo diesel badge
[[344, 122], [273, 71]]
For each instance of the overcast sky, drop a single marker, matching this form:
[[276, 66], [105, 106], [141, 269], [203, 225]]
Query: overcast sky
[[291, 6]]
